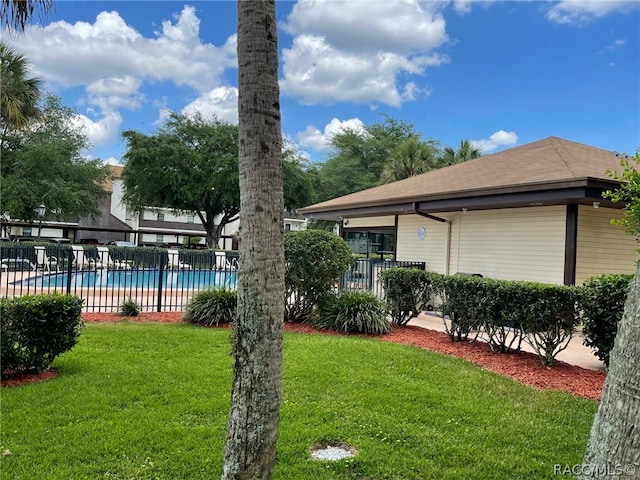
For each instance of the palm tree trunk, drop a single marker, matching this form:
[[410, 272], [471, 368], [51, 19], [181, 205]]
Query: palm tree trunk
[[257, 347]]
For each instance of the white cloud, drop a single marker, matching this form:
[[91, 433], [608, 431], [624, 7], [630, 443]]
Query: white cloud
[[355, 51], [85, 53], [613, 46], [101, 131], [462, 6], [113, 61], [317, 140], [498, 139], [221, 102], [580, 12]]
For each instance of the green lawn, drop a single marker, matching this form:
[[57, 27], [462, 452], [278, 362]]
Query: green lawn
[[150, 401]]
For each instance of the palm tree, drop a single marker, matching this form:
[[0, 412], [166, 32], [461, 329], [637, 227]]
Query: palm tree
[[466, 151], [252, 429], [15, 14], [18, 94], [411, 157]]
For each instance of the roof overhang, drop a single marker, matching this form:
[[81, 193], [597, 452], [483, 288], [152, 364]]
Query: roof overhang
[[585, 191]]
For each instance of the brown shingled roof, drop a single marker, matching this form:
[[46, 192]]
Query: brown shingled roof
[[116, 172], [540, 165]]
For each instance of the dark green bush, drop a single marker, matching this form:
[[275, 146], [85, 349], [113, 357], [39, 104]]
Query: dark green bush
[[407, 292], [498, 315], [212, 307], [315, 259], [507, 311], [461, 295], [602, 301], [35, 329], [130, 308], [353, 312], [548, 316]]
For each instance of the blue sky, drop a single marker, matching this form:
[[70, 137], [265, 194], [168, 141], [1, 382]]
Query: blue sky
[[498, 73]]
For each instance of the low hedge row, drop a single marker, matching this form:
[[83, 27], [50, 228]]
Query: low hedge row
[[35, 329], [508, 312]]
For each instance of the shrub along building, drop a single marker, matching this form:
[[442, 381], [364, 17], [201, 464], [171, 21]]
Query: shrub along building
[[534, 212]]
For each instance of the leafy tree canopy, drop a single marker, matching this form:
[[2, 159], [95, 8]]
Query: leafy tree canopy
[[629, 193], [299, 188], [18, 94], [359, 157], [191, 165], [43, 163], [15, 14], [465, 151], [409, 158]]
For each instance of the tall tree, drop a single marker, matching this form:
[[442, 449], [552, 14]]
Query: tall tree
[[190, 165], [44, 163], [411, 157], [15, 14], [465, 151], [613, 450], [299, 189], [359, 156], [629, 193], [19, 95], [252, 429]]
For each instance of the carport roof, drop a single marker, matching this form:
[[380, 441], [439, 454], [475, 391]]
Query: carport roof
[[548, 171]]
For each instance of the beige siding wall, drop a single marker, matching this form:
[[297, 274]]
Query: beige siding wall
[[387, 221], [513, 244], [602, 247], [432, 249]]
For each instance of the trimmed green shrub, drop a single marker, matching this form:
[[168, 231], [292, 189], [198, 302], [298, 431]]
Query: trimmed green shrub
[[35, 329], [602, 301], [212, 307], [130, 308], [498, 315], [315, 259], [353, 312], [548, 316], [407, 292], [461, 295]]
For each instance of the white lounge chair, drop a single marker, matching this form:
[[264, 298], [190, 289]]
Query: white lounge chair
[[223, 264], [43, 260], [174, 261], [106, 259], [81, 261]]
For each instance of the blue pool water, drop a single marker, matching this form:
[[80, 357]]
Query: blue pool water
[[195, 279]]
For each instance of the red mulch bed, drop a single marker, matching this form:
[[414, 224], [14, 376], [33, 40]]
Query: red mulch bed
[[523, 366]]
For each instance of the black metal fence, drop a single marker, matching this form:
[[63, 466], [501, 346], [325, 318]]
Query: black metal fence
[[157, 279], [364, 274]]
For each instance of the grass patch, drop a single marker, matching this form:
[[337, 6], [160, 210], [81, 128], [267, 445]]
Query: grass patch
[[150, 401]]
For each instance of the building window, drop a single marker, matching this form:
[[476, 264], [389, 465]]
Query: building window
[[159, 238], [190, 218], [287, 227], [26, 231], [160, 217]]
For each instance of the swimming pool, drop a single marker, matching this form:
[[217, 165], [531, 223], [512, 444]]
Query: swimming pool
[[144, 279]]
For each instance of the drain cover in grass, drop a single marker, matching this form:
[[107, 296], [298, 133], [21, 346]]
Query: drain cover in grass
[[332, 452]]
